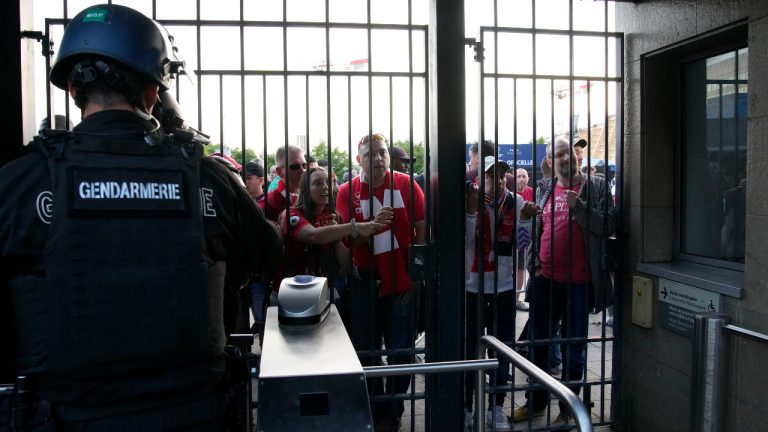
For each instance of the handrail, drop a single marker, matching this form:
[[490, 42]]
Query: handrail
[[577, 407], [749, 334], [425, 368], [709, 374]]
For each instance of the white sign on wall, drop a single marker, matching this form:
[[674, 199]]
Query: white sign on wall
[[679, 302]]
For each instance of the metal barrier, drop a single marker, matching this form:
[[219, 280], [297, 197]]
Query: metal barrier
[[710, 369], [577, 407], [437, 367], [426, 368]]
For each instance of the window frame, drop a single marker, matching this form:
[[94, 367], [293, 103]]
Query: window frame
[[715, 47]]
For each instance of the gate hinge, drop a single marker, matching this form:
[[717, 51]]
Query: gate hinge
[[478, 47], [40, 37]]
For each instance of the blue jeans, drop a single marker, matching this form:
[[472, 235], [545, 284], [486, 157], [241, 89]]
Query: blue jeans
[[499, 321], [560, 301], [373, 318]]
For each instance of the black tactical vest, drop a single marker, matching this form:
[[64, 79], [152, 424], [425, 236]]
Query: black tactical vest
[[127, 289]]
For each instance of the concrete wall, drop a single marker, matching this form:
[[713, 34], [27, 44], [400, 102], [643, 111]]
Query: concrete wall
[[656, 362]]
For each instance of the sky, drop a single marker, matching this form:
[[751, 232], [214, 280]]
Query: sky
[[245, 103]]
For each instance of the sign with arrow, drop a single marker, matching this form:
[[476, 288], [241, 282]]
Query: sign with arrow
[[678, 303]]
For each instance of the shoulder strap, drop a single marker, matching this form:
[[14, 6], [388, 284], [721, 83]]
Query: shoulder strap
[[52, 143]]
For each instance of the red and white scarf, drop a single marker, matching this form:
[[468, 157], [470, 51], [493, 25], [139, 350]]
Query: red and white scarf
[[390, 250], [506, 209]]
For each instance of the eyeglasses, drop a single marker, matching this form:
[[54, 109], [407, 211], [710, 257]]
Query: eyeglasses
[[376, 136], [296, 166]]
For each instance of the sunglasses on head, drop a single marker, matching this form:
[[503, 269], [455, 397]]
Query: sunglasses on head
[[296, 166], [376, 136]]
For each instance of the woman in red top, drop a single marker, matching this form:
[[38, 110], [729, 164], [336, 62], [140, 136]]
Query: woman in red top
[[311, 233]]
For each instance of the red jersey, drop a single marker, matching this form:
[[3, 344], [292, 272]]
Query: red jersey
[[393, 272], [275, 202], [557, 255], [298, 257], [527, 193]]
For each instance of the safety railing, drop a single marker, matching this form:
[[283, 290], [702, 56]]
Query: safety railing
[[428, 368], [576, 406], [710, 369]]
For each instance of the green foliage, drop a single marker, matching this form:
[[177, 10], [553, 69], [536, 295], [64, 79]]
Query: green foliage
[[237, 155], [210, 149], [270, 160], [339, 158], [418, 154], [539, 140]]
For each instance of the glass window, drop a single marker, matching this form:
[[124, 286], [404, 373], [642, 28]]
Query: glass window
[[714, 156]]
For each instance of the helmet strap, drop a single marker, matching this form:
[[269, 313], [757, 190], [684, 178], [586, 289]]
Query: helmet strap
[[89, 70]]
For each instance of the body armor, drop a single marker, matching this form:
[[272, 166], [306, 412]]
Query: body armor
[[127, 300]]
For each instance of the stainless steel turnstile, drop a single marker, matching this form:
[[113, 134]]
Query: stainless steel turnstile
[[311, 378]]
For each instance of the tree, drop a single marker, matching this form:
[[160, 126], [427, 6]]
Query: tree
[[339, 158], [210, 149], [418, 154], [237, 155]]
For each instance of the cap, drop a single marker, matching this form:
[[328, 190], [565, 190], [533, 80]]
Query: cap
[[398, 153], [581, 142], [229, 159], [490, 162], [254, 167]]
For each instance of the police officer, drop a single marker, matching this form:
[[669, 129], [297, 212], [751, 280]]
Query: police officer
[[115, 242]]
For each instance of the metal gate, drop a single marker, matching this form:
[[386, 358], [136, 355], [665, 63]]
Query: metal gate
[[319, 75], [251, 84], [548, 71]]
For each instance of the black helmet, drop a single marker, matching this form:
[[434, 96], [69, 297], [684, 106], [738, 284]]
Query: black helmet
[[118, 33]]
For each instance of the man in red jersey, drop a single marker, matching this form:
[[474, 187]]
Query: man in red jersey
[[289, 170], [382, 298]]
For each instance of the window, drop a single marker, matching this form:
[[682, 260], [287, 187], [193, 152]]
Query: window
[[714, 158]]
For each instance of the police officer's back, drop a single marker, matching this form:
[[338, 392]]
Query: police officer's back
[[115, 240]]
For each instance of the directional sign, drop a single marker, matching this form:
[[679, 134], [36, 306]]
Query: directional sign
[[678, 303]]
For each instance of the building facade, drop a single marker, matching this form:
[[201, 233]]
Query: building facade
[[695, 211]]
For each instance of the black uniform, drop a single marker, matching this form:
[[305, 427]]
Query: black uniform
[[113, 262]]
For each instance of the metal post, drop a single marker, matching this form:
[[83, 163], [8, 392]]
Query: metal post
[[479, 414], [709, 375], [447, 137]]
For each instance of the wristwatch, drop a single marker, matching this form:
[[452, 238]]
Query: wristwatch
[[353, 235]]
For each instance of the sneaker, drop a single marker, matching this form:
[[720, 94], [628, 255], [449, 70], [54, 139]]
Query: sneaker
[[523, 413], [556, 370], [495, 419], [521, 305], [563, 421], [468, 420]]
